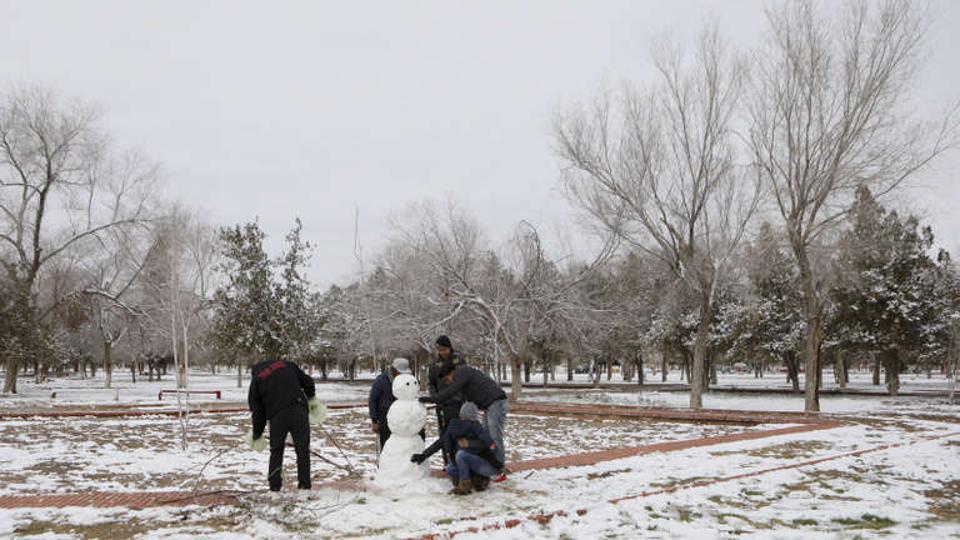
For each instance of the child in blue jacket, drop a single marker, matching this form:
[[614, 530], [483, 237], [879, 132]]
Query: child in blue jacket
[[475, 453]]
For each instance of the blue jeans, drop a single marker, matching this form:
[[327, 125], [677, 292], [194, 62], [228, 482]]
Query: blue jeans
[[467, 464], [493, 420]]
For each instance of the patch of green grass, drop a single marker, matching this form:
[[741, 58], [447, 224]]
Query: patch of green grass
[[791, 450], [866, 521], [945, 501], [802, 522], [671, 483], [606, 474]]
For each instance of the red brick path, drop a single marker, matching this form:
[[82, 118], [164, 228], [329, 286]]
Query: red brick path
[[135, 500], [592, 458]]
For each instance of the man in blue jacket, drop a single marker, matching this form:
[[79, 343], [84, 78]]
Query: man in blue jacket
[[475, 453], [381, 397]]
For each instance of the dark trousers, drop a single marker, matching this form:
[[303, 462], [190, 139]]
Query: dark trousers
[[292, 420], [384, 434], [445, 413]]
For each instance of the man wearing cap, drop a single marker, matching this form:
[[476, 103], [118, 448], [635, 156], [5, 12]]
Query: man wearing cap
[[450, 409], [474, 385], [381, 397]]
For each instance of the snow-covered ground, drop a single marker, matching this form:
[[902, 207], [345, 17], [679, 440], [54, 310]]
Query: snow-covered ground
[[909, 487], [62, 455]]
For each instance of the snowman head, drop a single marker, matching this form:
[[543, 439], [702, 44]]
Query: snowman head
[[405, 387]]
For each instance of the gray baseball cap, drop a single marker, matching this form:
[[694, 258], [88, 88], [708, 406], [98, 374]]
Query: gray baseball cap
[[401, 364]]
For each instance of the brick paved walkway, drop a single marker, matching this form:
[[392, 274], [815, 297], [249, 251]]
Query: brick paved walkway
[[135, 500], [807, 423]]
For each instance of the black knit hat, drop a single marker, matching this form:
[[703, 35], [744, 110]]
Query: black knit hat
[[445, 368], [444, 341]]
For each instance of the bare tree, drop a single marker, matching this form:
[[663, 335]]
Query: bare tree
[[112, 270], [514, 298], [828, 113], [660, 172], [60, 188], [178, 281]]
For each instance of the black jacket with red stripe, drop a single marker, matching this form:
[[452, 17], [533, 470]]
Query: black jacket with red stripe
[[274, 386]]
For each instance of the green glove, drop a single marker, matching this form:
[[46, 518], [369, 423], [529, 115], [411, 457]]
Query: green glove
[[318, 411], [256, 444]]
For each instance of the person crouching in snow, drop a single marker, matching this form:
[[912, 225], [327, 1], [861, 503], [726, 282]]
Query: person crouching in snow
[[475, 453], [281, 393]]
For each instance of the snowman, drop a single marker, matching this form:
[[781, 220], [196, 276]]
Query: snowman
[[406, 418]]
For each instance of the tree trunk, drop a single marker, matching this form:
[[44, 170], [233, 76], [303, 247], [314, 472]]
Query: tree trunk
[[892, 365], [10, 377], [640, 378], [812, 335], [793, 369], [844, 369], [700, 355], [845, 364], [184, 362], [546, 369], [516, 386], [664, 363], [133, 373], [876, 369], [526, 371], [239, 375], [108, 362]]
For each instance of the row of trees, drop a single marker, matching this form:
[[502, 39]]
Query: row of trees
[[94, 263], [738, 199], [800, 135]]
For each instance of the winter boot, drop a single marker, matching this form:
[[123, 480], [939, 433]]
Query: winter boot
[[480, 483], [463, 488]]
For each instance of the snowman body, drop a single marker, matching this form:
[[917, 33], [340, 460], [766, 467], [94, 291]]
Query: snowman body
[[406, 418]]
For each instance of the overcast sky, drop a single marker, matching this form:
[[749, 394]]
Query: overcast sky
[[312, 109]]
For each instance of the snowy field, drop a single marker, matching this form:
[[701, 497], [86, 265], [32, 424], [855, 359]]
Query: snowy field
[[905, 485], [62, 455]]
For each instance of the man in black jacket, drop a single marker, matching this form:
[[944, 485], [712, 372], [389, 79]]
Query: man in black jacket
[[450, 409], [475, 386], [286, 396], [381, 397]]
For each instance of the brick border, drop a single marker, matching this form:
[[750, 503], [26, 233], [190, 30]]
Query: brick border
[[592, 458], [136, 500], [725, 416]]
